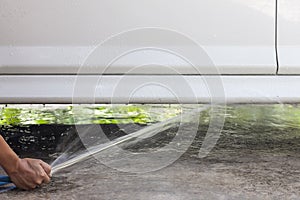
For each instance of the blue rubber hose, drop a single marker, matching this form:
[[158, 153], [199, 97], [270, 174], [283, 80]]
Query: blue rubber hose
[[6, 184], [5, 179]]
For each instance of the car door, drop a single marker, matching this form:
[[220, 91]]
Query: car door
[[289, 36], [57, 37]]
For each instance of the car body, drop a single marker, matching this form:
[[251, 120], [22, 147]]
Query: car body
[[113, 51]]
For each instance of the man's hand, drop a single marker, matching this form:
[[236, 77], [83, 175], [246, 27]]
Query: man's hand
[[24, 173], [29, 173]]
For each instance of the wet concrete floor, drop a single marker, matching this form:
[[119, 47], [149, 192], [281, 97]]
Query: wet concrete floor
[[256, 157]]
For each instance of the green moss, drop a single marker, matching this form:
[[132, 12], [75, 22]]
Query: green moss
[[244, 117], [85, 114], [9, 116]]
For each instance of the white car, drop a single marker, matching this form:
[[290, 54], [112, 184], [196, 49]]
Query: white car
[[158, 51]]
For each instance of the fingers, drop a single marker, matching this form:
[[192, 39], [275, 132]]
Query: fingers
[[46, 179], [30, 186], [42, 178], [46, 167], [44, 172]]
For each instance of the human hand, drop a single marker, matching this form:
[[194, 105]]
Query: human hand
[[29, 173]]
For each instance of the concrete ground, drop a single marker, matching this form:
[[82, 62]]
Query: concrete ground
[[225, 175], [252, 160]]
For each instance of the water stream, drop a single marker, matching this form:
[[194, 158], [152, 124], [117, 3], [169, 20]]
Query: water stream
[[66, 160]]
